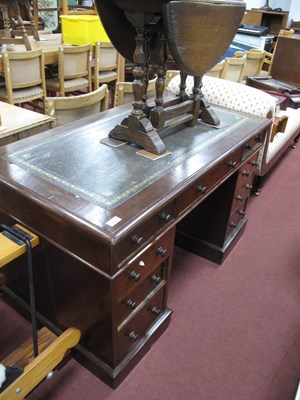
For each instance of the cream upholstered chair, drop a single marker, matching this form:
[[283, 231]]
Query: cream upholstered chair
[[74, 70], [124, 92], [106, 64], [267, 62], [233, 69], [72, 108], [106, 67], [216, 70], [24, 75], [254, 61]]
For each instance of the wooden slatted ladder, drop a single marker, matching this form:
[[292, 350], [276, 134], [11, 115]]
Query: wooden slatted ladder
[[14, 242]]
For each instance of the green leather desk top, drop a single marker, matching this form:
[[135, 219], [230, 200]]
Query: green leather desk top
[[106, 176]]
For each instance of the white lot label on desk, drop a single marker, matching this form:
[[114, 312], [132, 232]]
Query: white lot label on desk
[[113, 221]]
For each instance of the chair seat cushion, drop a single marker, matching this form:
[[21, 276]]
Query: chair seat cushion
[[107, 75], [70, 84], [21, 95]]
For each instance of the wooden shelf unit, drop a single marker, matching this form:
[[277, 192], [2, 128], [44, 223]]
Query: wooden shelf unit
[[274, 20]]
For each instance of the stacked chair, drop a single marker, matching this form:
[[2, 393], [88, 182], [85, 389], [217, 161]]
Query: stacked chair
[[107, 64], [254, 62], [234, 69], [124, 92], [24, 77], [72, 108], [216, 71], [74, 71]]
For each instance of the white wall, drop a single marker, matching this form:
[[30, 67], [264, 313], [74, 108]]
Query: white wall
[[295, 10], [285, 5]]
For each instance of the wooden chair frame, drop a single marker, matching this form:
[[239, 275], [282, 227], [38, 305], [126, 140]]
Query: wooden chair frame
[[81, 105], [11, 85], [123, 88], [254, 61], [67, 69], [102, 66], [216, 70], [235, 62]]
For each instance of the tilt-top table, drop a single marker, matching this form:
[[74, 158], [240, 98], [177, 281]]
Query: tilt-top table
[[107, 217]]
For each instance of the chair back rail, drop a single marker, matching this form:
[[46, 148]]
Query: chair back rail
[[124, 92], [74, 70], [24, 74], [71, 108], [233, 69]]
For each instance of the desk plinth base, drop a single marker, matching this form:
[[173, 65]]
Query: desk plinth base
[[113, 377], [210, 251]]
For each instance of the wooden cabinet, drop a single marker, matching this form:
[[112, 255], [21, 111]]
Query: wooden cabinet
[[272, 19]]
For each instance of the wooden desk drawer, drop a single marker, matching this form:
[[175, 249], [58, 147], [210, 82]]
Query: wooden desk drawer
[[239, 201], [142, 265], [135, 298], [137, 239], [206, 183], [252, 163], [253, 144], [140, 323], [234, 220]]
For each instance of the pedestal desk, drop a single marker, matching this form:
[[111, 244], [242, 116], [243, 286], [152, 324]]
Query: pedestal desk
[[107, 219]]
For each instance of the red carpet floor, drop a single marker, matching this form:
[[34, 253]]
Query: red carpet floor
[[235, 330]]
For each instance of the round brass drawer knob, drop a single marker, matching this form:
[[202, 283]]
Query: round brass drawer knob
[[135, 276], [133, 336]]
